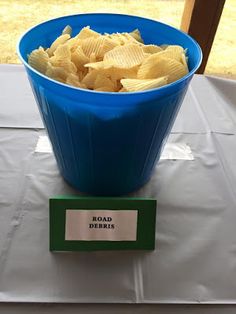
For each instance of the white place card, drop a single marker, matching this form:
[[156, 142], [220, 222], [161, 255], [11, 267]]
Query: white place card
[[101, 225]]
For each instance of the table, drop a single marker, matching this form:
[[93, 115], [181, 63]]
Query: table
[[195, 259]]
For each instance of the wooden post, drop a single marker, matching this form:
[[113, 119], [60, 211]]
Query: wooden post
[[200, 20]]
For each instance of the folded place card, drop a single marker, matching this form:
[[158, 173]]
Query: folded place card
[[102, 223]]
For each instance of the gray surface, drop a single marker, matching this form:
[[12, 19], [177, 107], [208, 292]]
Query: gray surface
[[195, 260], [115, 309]]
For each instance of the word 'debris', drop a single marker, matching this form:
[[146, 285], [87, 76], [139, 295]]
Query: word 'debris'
[[102, 222]]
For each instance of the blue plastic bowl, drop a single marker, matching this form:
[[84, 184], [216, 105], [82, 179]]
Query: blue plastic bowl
[[107, 143]]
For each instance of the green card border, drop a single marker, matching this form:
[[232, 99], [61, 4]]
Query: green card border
[[146, 225]]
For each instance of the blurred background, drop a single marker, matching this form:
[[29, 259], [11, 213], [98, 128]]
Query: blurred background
[[16, 16]]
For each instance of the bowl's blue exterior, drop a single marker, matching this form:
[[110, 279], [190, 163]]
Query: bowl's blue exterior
[[107, 143]]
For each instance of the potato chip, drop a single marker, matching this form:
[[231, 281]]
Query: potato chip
[[101, 81], [104, 89], [87, 32], [107, 45], [81, 74], [56, 73], [158, 67], [38, 60], [136, 35], [79, 58], [67, 30], [147, 65], [132, 85], [126, 56], [90, 78], [73, 43], [166, 54], [119, 73], [66, 64], [115, 72], [164, 46], [91, 45], [118, 85], [73, 79], [122, 90], [57, 78], [184, 61], [59, 41], [175, 49], [173, 52], [176, 70], [108, 64], [61, 53], [92, 57], [122, 38], [98, 46], [151, 48], [100, 78]]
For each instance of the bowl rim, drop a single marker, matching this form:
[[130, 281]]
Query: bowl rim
[[149, 91]]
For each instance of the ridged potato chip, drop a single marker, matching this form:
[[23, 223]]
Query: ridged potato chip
[[154, 68], [126, 56], [176, 49], [164, 46], [81, 74], [73, 44], [122, 90], [110, 69], [119, 73], [107, 64], [167, 54], [73, 79], [79, 58], [122, 38], [136, 35], [151, 49], [147, 65], [66, 64], [87, 32], [184, 61], [101, 81], [38, 59], [104, 89], [107, 45], [56, 73], [59, 41], [132, 85], [92, 57], [90, 45], [173, 52], [99, 46], [67, 30], [89, 79], [61, 53], [118, 85]]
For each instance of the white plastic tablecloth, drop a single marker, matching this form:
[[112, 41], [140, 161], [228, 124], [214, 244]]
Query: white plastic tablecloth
[[195, 256]]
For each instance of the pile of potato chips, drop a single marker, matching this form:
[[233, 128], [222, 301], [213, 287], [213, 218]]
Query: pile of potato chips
[[118, 62]]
